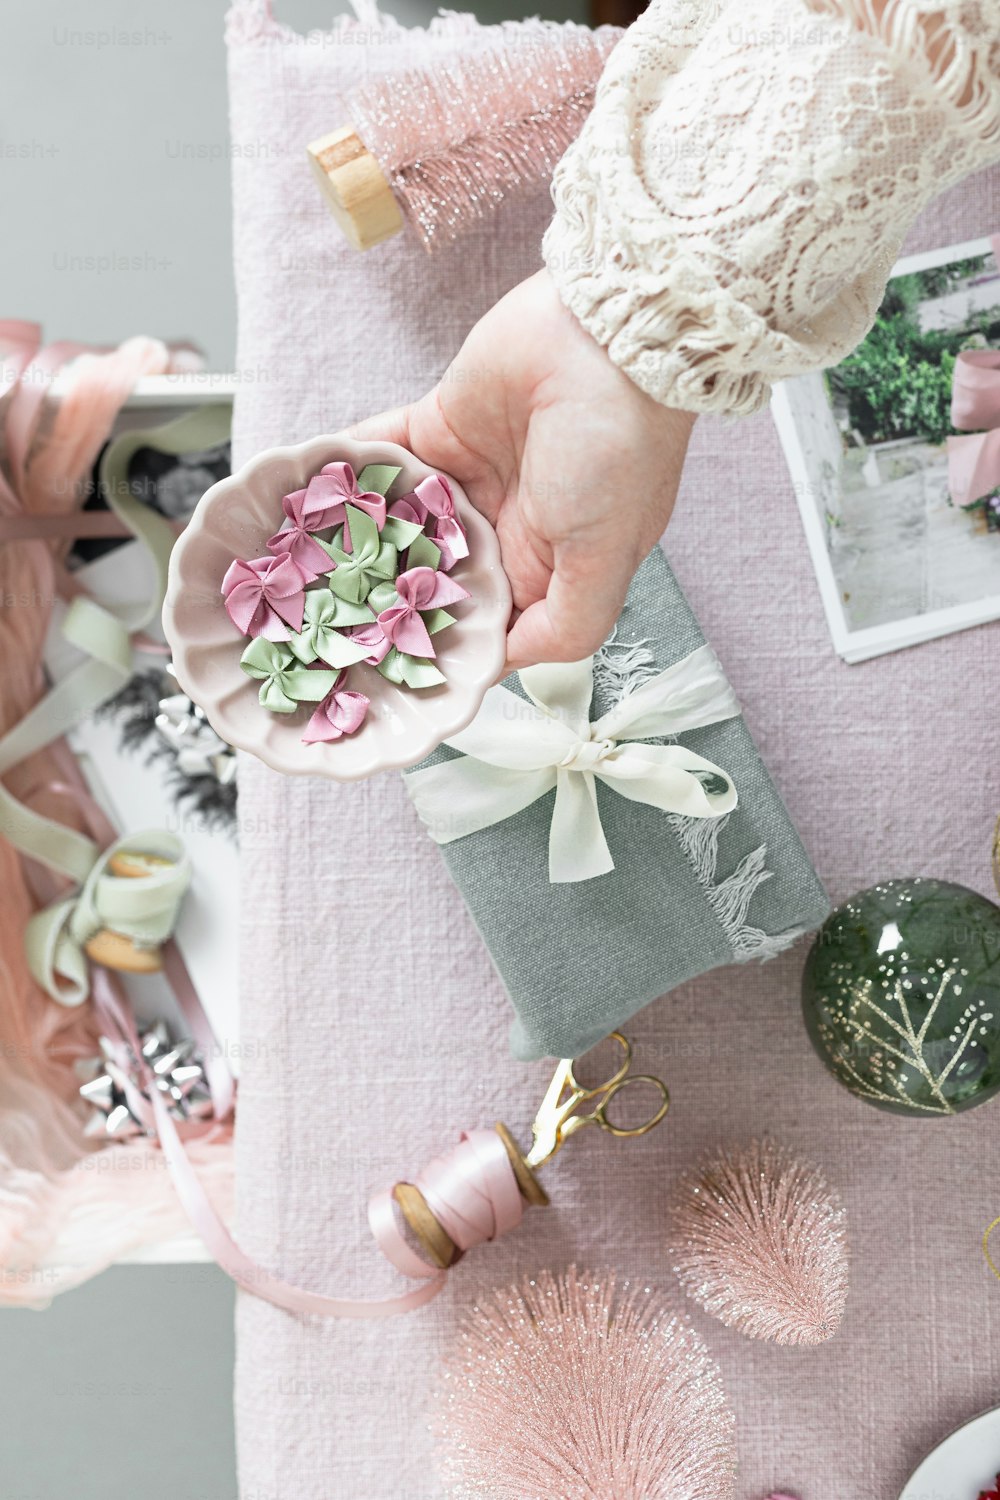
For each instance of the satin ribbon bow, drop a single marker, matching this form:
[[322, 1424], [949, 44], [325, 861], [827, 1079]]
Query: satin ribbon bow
[[974, 462], [515, 752], [414, 671], [325, 498], [284, 683], [144, 909], [419, 590], [264, 596], [304, 550], [341, 712], [433, 497], [324, 618], [374, 640], [371, 560]]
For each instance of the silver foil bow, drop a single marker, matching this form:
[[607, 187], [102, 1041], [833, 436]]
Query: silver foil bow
[[199, 750], [117, 1086]]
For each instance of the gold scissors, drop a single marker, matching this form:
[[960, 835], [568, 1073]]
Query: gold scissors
[[557, 1119]]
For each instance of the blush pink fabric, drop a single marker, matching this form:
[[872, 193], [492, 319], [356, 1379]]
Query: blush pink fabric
[[385, 1034]]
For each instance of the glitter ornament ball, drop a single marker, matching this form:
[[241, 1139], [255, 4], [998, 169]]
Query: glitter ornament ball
[[901, 994]]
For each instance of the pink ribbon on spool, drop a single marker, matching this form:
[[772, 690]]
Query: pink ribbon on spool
[[472, 1192], [974, 461]]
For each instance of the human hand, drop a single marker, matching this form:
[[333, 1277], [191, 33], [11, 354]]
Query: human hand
[[574, 465]]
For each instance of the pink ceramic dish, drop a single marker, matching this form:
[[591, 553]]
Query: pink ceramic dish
[[234, 520]]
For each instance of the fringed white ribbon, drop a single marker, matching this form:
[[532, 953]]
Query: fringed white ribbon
[[515, 751]]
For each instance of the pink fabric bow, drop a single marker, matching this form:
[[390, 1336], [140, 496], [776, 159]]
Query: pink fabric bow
[[341, 712], [974, 462], [374, 636], [305, 552], [433, 498], [322, 501], [418, 589], [265, 596]]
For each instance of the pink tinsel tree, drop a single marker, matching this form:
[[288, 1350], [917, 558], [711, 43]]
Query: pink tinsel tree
[[575, 1387]]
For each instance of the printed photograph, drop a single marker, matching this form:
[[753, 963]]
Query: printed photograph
[[900, 505]]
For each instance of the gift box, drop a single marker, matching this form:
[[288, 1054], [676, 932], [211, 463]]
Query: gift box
[[613, 830]]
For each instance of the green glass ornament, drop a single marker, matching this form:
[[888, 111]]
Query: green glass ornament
[[901, 994]]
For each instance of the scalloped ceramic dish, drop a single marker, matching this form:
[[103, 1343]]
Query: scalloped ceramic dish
[[234, 519], [961, 1467]]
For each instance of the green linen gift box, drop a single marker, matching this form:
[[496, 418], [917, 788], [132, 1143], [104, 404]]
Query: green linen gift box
[[612, 828]]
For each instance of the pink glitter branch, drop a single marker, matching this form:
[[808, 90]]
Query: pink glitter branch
[[758, 1240]]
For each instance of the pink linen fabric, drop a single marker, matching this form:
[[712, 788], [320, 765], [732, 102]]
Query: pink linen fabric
[[374, 1031]]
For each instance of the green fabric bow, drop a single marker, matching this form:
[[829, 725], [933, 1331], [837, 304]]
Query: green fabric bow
[[144, 909], [284, 683], [324, 618], [383, 596], [380, 477], [423, 553], [414, 671], [400, 533], [372, 561]]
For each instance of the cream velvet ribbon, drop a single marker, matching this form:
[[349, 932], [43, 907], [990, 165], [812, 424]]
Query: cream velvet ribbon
[[144, 909], [515, 752]]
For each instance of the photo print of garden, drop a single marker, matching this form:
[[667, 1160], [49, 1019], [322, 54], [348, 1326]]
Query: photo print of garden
[[900, 491]]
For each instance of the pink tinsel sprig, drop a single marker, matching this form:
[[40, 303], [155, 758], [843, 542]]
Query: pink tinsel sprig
[[758, 1239], [579, 1388]]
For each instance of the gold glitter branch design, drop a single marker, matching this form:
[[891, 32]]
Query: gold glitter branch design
[[913, 1041]]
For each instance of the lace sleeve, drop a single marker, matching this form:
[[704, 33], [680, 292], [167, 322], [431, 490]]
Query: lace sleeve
[[731, 210]]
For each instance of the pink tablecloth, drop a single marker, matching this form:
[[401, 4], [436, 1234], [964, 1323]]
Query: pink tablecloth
[[373, 1027]]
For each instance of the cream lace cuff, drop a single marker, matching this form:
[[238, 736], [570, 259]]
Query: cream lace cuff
[[731, 210]]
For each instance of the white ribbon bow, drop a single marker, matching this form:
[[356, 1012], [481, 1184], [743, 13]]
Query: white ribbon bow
[[514, 752]]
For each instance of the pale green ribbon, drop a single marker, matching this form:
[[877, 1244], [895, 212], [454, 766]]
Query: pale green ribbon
[[284, 682], [401, 534], [423, 553], [372, 561], [104, 636], [143, 908], [414, 671], [324, 617]]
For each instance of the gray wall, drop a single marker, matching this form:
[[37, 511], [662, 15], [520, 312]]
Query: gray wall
[[117, 221], [121, 1390], [114, 160]]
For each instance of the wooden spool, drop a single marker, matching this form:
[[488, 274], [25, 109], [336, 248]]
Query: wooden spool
[[437, 1245], [113, 950], [356, 189]]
